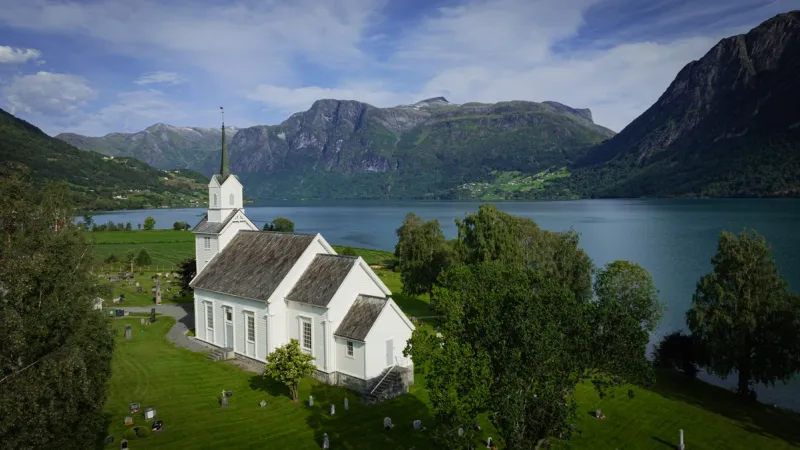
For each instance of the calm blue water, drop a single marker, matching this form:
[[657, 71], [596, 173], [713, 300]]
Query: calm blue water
[[673, 239]]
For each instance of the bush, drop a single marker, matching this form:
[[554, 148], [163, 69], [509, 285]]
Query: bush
[[348, 251]]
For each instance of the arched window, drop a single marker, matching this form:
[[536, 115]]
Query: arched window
[[215, 199], [231, 199]]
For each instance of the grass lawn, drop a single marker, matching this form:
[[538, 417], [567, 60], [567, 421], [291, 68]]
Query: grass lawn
[[167, 248], [184, 388]]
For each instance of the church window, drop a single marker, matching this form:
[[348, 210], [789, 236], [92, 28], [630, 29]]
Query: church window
[[207, 243], [251, 328], [306, 334], [230, 199], [215, 199], [209, 316], [350, 348]]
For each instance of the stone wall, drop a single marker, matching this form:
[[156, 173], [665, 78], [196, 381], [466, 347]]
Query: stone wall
[[327, 378], [352, 383]]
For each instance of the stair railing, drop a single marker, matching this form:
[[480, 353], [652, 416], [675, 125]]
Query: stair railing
[[384, 377]]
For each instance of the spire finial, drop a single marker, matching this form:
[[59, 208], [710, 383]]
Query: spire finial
[[225, 168]]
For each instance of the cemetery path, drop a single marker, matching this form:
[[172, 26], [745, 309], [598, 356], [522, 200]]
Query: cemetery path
[[184, 321]]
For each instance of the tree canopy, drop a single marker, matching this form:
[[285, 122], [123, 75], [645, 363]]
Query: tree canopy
[[743, 316], [56, 353], [149, 223], [187, 271], [520, 330], [143, 258], [422, 253], [281, 224]]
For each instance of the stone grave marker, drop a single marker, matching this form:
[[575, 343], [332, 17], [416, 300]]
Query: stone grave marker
[[346, 404], [152, 315], [333, 409], [263, 403], [326, 444], [134, 408], [417, 424], [223, 402], [460, 432], [109, 439], [680, 442], [150, 413], [128, 332], [310, 400], [128, 421], [387, 423], [489, 442]]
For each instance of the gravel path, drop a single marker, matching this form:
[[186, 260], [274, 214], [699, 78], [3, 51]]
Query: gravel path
[[184, 320]]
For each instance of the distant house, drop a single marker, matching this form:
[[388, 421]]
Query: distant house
[[256, 290]]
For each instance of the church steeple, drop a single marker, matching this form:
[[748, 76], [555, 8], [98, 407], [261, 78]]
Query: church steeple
[[225, 169]]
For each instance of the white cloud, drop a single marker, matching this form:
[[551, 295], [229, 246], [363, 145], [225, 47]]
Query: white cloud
[[51, 95], [160, 77], [11, 55], [134, 111], [292, 100]]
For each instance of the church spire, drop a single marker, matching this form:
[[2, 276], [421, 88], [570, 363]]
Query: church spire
[[225, 169]]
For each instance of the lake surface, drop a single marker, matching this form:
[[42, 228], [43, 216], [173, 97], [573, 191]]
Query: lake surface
[[673, 239]]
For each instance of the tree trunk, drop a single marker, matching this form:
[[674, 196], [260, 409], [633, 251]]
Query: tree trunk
[[743, 388], [294, 389]]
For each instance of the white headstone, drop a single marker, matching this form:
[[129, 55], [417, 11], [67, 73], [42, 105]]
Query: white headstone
[[417, 424], [326, 444], [489, 442], [460, 432], [680, 445], [333, 409], [387, 422], [310, 400], [346, 405]]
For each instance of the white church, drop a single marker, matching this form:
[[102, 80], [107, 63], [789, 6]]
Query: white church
[[255, 290]]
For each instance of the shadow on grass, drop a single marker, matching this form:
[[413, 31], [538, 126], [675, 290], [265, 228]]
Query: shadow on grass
[[270, 386], [668, 444], [100, 439], [413, 305], [362, 425], [752, 417]]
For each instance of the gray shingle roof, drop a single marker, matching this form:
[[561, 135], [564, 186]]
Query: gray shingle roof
[[253, 264], [361, 317], [213, 227], [321, 279]]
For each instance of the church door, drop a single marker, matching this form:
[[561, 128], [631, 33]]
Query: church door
[[228, 327]]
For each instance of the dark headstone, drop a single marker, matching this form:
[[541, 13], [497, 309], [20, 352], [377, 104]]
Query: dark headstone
[[123, 444], [135, 408], [109, 439], [128, 332], [228, 393], [157, 426], [152, 315], [223, 402]]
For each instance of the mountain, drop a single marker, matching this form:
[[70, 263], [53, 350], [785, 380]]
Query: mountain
[[727, 126], [98, 182], [160, 145], [349, 149]]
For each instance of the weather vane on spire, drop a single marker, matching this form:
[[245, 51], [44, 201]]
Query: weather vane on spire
[[222, 111]]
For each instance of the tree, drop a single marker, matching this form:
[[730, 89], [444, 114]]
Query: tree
[[521, 327], [149, 223], [348, 251], [111, 226], [743, 316], [110, 259], [128, 226], [55, 346], [676, 351], [88, 221], [288, 364], [143, 258], [422, 253], [281, 224], [187, 271]]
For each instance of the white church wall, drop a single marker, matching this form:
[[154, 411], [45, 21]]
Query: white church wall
[[297, 312], [236, 224], [350, 365], [357, 282], [389, 326], [231, 187], [203, 254], [240, 306]]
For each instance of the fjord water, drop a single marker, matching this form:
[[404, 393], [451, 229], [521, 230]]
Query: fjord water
[[673, 239]]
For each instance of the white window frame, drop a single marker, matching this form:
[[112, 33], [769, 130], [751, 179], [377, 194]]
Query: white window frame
[[301, 321], [350, 350], [215, 199], [249, 315], [231, 198], [209, 318], [206, 243]]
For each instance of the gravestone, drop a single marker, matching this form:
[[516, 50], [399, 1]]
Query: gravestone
[[123, 444], [158, 292], [134, 408], [128, 421], [150, 413], [152, 315], [346, 404], [310, 400], [128, 332], [141, 321], [417, 424], [387, 423], [325, 442], [597, 413], [263, 403], [680, 443], [333, 409], [489, 442], [460, 432], [223, 402], [157, 425], [109, 439], [477, 425]]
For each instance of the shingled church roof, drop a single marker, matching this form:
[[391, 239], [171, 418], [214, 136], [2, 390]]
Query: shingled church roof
[[253, 264], [361, 317], [213, 227], [322, 279]]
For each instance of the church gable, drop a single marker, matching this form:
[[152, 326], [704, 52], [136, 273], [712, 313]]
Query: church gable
[[204, 226], [361, 317], [322, 279], [253, 264]]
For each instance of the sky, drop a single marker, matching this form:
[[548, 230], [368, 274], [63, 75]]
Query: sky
[[93, 67]]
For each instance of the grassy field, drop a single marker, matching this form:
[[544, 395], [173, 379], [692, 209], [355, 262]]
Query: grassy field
[[184, 387]]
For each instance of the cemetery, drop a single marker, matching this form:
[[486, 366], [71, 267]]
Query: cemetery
[[140, 288], [162, 396]]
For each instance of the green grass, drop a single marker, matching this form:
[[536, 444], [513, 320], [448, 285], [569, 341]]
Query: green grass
[[167, 248], [184, 387]]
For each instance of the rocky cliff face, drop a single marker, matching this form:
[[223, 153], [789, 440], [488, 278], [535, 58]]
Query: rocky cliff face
[[735, 111], [160, 145]]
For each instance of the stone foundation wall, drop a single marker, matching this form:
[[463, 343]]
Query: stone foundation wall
[[327, 378], [352, 383]]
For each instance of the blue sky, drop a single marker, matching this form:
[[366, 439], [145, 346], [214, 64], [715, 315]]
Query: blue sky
[[94, 67]]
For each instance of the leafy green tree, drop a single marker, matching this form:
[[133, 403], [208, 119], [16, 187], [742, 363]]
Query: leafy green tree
[[743, 316], [187, 271], [520, 331], [288, 365], [281, 224], [88, 221], [55, 359], [422, 253], [149, 223], [128, 226], [111, 226], [677, 351], [110, 259], [348, 251], [143, 258]]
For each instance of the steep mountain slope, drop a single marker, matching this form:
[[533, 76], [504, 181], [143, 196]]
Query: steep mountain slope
[[160, 145], [349, 149], [97, 181], [728, 125]]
